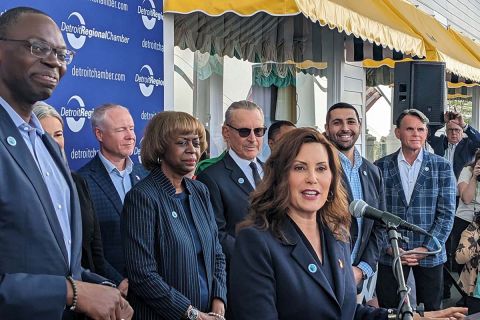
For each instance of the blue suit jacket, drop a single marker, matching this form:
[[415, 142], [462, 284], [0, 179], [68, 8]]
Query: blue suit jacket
[[464, 152], [371, 235], [431, 207], [272, 279], [108, 207], [160, 251], [33, 257], [229, 193]]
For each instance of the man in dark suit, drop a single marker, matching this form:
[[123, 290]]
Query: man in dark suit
[[460, 151], [419, 188], [231, 179], [109, 176], [456, 148], [40, 225], [363, 181]]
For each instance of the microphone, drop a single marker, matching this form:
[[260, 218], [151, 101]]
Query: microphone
[[359, 208]]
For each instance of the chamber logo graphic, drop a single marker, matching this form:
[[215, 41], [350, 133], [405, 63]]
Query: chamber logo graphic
[[147, 82], [75, 42], [75, 113], [77, 32], [149, 16]]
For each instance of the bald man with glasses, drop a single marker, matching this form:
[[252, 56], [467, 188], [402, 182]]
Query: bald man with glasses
[[232, 179]]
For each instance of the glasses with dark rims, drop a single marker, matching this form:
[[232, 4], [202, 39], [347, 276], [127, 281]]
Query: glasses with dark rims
[[245, 132], [42, 49]]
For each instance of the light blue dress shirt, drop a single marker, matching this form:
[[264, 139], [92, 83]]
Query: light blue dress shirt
[[352, 173], [121, 179], [52, 176]]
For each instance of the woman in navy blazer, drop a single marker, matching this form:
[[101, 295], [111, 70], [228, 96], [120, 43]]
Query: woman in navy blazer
[[174, 261], [292, 255]]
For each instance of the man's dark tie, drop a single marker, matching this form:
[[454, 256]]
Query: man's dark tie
[[256, 176]]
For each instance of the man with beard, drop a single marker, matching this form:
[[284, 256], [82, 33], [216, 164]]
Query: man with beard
[[363, 181]]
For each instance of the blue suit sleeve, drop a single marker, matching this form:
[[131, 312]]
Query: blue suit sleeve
[[252, 281], [24, 295], [138, 237]]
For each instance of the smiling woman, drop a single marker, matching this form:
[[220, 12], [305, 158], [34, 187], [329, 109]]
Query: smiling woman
[[292, 254]]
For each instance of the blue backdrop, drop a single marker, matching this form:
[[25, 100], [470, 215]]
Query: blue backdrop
[[119, 59]]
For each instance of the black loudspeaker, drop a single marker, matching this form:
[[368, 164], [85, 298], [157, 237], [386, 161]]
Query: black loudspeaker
[[420, 85]]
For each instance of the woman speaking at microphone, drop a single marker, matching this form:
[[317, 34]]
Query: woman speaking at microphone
[[292, 254]]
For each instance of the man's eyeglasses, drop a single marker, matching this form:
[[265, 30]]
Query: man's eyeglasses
[[42, 49], [245, 132]]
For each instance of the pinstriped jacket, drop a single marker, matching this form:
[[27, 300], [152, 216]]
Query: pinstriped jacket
[[431, 207], [160, 256]]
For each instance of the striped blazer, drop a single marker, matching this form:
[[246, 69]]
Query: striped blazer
[[431, 206], [160, 257]]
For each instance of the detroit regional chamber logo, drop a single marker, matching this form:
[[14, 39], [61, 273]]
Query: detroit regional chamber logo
[[75, 113], [150, 15], [77, 32], [146, 80]]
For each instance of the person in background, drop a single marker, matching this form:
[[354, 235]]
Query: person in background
[[40, 230], [109, 176], [458, 146], [173, 258], [277, 129], [469, 204], [292, 253], [92, 250], [468, 254], [419, 188]]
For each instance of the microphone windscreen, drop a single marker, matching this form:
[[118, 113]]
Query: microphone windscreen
[[357, 208]]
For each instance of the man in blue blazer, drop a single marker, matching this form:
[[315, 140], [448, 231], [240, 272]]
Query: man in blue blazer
[[363, 181], [232, 179], [109, 176], [419, 188], [40, 223]]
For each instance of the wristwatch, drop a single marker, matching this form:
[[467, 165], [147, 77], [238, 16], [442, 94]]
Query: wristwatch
[[192, 313]]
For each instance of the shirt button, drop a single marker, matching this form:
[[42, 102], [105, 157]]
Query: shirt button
[[47, 173], [59, 206], [174, 214], [69, 241]]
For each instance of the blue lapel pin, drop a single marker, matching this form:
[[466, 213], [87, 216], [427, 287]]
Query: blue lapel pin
[[240, 180], [312, 268], [11, 141]]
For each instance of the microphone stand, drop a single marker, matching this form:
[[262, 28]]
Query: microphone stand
[[406, 311]]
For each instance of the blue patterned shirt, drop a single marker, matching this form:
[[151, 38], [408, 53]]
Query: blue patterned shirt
[[352, 173]]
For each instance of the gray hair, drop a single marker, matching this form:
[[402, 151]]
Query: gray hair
[[98, 115], [242, 104], [411, 112], [42, 110]]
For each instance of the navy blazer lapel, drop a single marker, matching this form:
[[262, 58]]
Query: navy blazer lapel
[[22, 156], [338, 260], [303, 257], [395, 174], [135, 175], [237, 174], [105, 183]]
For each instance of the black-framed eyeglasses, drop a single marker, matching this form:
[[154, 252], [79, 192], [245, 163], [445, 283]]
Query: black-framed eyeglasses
[[42, 49], [245, 132]]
